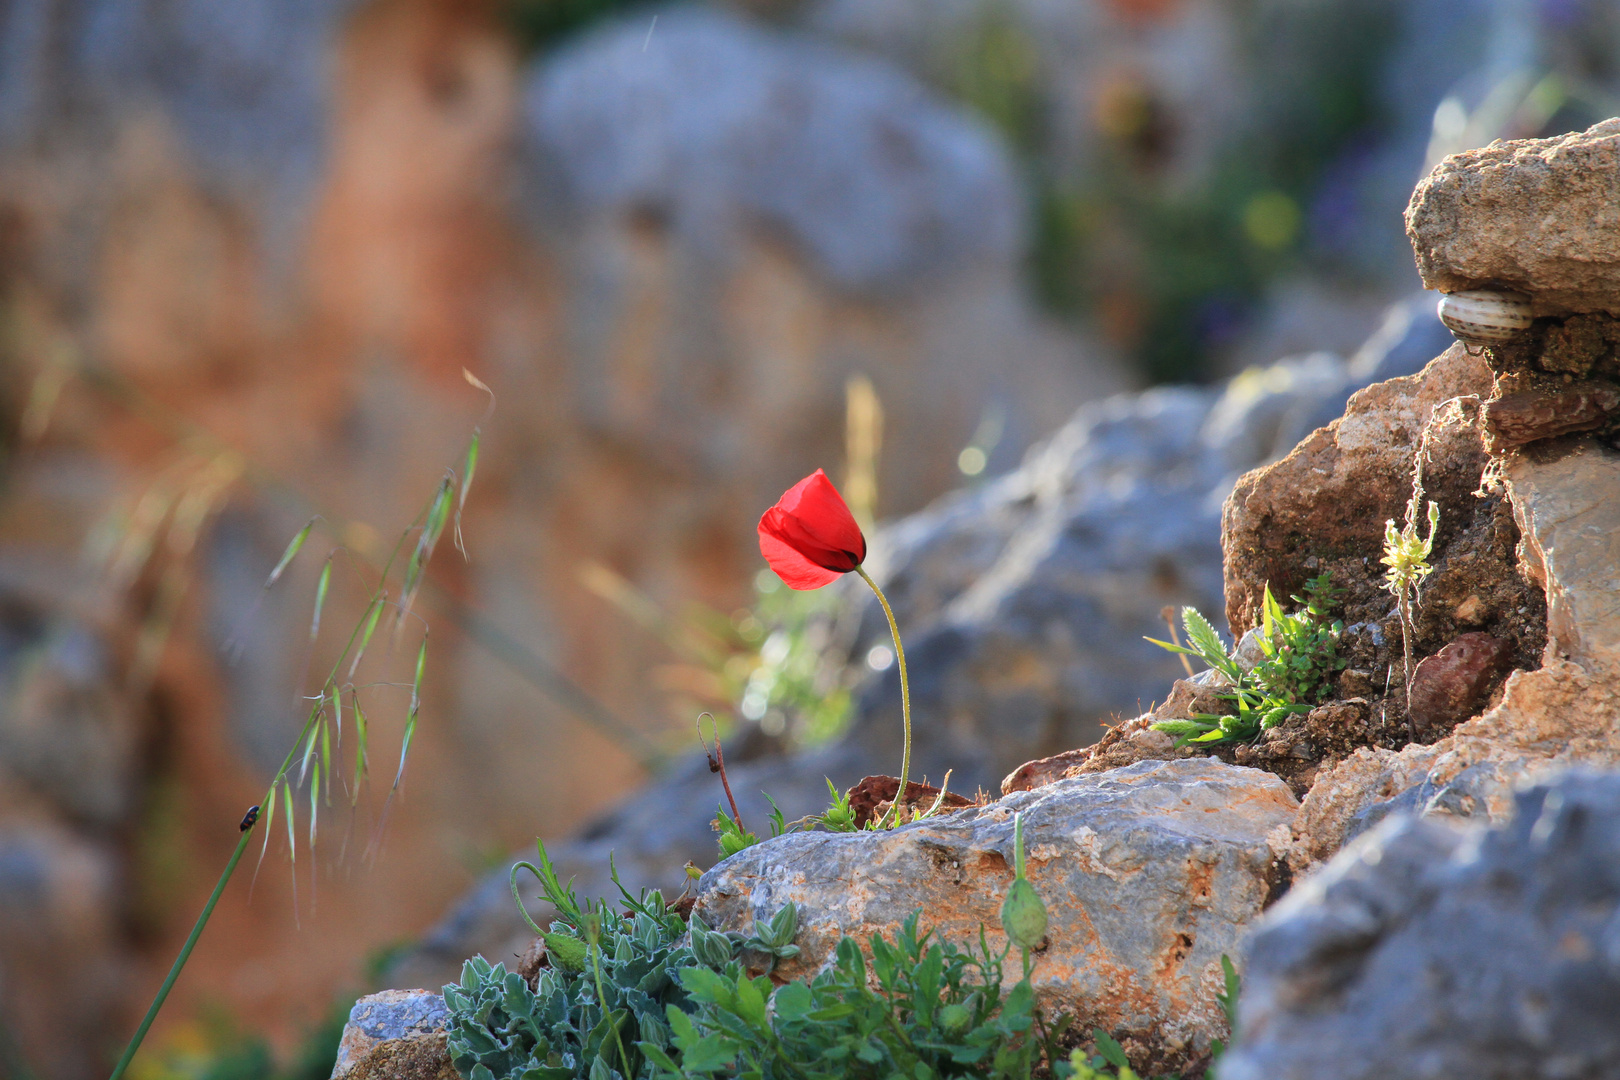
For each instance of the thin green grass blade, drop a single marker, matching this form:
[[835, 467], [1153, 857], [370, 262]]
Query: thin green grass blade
[[405, 749], [314, 805], [426, 541], [1270, 614], [269, 819], [337, 718], [1172, 647], [185, 954], [374, 613], [326, 756], [291, 553], [416, 704], [416, 684], [309, 739], [362, 760], [292, 839], [468, 467], [320, 599]]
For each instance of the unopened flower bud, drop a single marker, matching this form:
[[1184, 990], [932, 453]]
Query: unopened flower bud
[[1023, 915]]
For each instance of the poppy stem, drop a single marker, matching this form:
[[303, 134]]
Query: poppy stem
[[905, 701]]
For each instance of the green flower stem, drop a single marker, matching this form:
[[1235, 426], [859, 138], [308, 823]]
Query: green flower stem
[[607, 1013], [185, 954], [905, 697]]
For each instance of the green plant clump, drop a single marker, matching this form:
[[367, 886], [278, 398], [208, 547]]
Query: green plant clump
[[632, 964], [500, 1028], [1299, 655], [644, 996], [936, 1011]]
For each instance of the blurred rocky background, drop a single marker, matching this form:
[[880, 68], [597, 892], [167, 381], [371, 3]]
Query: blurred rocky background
[[247, 250]]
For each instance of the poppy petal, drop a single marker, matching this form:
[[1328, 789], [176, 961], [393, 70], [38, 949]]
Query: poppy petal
[[817, 508], [792, 532], [796, 571]]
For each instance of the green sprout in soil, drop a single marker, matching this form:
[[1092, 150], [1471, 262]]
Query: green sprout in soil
[[1299, 656], [1407, 556]]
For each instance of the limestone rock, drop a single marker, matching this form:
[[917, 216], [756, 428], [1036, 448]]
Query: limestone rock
[[1537, 216], [1547, 721], [1422, 950], [1346, 790], [711, 116], [1526, 416], [1026, 601], [1564, 498], [1129, 742], [1149, 874], [1330, 497], [396, 1035], [1567, 503], [1023, 602]]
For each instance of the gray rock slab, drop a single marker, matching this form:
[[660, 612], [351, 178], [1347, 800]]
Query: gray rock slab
[[717, 122], [1149, 874], [414, 1021], [1427, 950], [1538, 216], [1568, 510], [1023, 603]]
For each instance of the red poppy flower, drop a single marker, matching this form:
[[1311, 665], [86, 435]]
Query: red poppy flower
[[809, 537]]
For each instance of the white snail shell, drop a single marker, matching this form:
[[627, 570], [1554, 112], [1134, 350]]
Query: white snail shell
[[1485, 316]]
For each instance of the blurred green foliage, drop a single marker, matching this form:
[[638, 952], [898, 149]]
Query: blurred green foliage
[[1167, 267], [794, 684], [218, 1047]]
